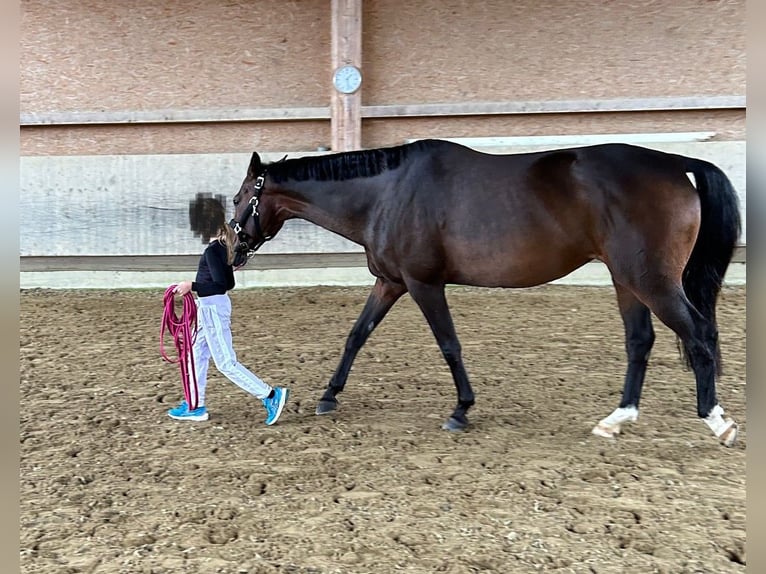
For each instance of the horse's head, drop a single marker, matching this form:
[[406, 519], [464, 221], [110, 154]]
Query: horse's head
[[255, 220]]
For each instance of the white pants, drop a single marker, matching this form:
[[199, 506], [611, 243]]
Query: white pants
[[214, 341]]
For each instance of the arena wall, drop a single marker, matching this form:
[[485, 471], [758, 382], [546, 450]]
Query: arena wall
[[149, 103]]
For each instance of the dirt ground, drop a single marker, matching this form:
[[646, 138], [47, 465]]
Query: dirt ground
[[110, 484]]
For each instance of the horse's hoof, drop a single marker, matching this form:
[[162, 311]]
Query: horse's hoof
[[606, 431], [324, 407], [729, 436], [454, 425]]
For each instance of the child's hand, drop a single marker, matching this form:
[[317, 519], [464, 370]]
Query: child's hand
[[182, 288]]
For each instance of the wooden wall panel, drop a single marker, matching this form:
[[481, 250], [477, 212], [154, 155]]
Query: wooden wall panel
[[305, 135], [163, 54], [87, 55], [496, 50], [174, 138]]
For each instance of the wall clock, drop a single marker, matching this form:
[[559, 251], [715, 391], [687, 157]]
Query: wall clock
[[347, 79]]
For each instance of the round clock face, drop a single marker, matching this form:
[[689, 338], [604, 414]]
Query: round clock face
[[347, 79]]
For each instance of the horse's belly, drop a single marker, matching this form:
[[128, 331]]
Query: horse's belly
[[514, 268]]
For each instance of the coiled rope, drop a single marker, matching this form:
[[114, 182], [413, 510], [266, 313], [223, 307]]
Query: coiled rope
[[183, 329]]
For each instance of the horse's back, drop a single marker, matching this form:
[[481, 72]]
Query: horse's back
[[525, 219], [538, 183], [608, 157], [494, 220]]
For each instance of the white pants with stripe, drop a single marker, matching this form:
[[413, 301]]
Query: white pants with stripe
[[214, 341]]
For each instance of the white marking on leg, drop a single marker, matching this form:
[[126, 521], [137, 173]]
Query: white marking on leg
[[724, 429], [610, 426]]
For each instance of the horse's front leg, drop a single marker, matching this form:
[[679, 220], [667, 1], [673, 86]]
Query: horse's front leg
[[382, 297], [433, 303]]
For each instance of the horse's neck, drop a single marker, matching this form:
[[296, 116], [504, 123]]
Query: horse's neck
[[342, 207]]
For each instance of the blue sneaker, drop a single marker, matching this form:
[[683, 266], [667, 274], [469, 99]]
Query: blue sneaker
[[182, 413], [275, 404]]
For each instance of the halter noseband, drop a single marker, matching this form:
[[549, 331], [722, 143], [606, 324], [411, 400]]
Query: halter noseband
[[238, 226]]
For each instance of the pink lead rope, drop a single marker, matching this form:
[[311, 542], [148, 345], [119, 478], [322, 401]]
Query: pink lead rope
[[183, 329]]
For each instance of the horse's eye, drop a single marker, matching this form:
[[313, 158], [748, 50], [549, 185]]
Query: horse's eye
[[236, 201]]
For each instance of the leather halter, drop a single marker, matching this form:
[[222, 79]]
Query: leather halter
[[238, 226]]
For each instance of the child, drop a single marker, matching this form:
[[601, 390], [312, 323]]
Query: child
[[215, 276]]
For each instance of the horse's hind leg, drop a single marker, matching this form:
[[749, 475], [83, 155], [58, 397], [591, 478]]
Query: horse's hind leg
[[382, 297], [433, 304], [639, 339], [699, 338]]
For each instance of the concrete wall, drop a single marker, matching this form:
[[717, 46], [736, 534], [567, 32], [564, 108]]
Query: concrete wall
[[138, 205]]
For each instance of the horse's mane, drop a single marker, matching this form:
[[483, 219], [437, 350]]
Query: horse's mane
[[344, 165]]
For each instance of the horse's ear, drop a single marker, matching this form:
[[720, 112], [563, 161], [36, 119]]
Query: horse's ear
[[254, 169]]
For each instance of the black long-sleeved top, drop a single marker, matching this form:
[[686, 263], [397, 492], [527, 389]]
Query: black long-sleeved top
[[214, 274]]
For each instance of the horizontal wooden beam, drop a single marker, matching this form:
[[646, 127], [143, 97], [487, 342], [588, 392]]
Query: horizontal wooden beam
[[174, 116], [385, 111], [556, 107], [188, 263]]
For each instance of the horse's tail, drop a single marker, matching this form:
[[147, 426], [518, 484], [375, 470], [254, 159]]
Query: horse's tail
[[720, 228]]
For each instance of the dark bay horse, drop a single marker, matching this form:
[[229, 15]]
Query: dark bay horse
[[433, 213]]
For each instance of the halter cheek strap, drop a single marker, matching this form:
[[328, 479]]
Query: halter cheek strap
[[238, 226]]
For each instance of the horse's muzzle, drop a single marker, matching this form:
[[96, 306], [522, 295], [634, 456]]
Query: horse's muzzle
[[240, 255], [242, 249]]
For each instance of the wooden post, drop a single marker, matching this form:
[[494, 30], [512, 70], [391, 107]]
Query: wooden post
[[346, 120]]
